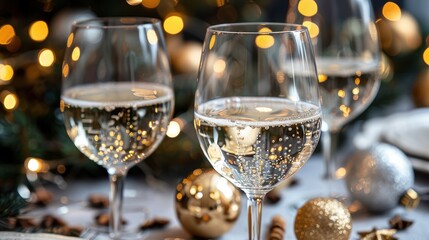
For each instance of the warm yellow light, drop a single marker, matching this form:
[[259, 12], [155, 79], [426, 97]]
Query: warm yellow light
[[6, 34], [6, 72], [219, 66], [212, 42], [10, 101], [152, 37], [70, 39], [76, 54], [46, 57], [313, 29], [341, 172], [173, 24], [38, 31], [173, 129], [134, 2], [426, 56], [322, 78], [307, 8], [341, 93], [264, 40], [356, 91], [391, 11], [34, 165], [150, 3]]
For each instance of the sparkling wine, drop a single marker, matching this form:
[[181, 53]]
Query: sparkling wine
[[347, 87], [117, 124], [257, 142]]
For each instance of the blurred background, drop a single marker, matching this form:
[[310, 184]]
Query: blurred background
[[33, 36]]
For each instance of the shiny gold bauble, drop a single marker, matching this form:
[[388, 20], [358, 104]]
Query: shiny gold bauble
[[207, 205], [323, 218]]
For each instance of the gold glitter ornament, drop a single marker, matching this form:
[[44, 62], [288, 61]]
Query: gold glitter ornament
[[207, 205], [323, 218]]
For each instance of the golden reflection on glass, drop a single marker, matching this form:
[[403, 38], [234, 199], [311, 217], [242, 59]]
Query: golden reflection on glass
[[6, 72], [38, 31], [391, 11], [264, 40], [152, 37], [70, 40], [150, 3], [65, 70], [313, 29], [173, 24], [46, 57], [322, 78], [212, 42], [75, 54], [307, 8], [7, 32]]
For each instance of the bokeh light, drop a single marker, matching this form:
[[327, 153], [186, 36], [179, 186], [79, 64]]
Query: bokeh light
[[150, 3], [307, 8], [313, 29], [39, 31], [9, 100], [173, 24], [46, 57], [7, 32], [6, 72], [264, 40], [173, 129], [391, 11], [134, 2]]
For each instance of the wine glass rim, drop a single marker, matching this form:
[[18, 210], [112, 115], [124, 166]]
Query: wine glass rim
[[225, 28], [116, 22]]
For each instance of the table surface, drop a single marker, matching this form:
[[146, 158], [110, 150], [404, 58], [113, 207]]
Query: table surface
[[142, 201]]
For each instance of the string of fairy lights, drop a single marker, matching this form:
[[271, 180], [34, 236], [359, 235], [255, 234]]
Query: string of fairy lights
[[174, 22]]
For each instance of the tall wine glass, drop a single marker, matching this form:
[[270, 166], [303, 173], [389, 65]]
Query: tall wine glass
[[117, 96], [347, 53], [257, 109]]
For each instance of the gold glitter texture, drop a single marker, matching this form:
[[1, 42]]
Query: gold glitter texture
[[323, 218]]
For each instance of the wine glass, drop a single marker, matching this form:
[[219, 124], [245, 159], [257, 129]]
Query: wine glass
[[257, 110], [117, 96], [347, 53]]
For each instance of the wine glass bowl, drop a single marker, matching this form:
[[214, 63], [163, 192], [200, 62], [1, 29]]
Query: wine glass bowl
[[347, 52], [257, 106], [117, 96]]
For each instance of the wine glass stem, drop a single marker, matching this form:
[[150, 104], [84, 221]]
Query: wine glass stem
[[329, 148], [117, 180], [254, 210]]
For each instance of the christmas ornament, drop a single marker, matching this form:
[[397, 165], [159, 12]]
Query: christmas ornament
[[323, 218], [207, 205], [379, 177], [378, 234], [398, 223]]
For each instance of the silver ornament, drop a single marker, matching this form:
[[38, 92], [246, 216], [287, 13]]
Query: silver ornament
[[379, 176]]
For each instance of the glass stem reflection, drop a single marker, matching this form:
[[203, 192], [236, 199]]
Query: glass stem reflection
[[117, 179], [254, 210], [329, 148]]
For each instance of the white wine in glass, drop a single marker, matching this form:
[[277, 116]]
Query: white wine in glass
[[257, 106], [117, 97], [347, 51]]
